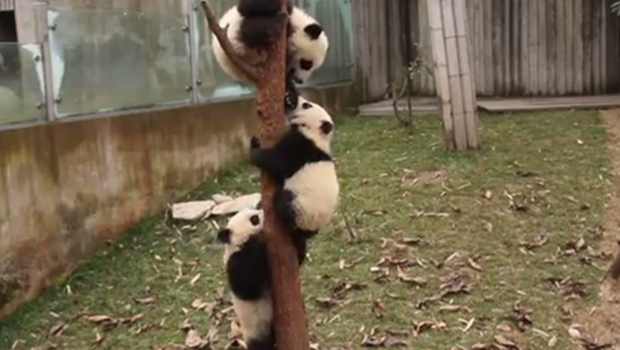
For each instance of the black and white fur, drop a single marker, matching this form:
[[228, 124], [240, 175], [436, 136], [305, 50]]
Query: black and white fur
[[251, 26], [301, 164], [249, 276]]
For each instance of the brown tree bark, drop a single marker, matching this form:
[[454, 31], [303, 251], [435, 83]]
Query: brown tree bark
[[289, 314]]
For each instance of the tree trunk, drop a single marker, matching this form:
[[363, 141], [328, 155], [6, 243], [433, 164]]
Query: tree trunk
[[289, 314]]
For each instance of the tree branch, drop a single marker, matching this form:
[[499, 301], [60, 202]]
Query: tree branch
[[240, 62]]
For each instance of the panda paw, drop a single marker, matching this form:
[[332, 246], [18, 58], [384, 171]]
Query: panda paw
[[254, 143]]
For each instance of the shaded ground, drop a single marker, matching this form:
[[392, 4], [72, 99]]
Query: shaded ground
[[480, 245]]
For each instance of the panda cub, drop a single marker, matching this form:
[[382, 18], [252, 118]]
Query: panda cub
[[301, 164], [249, 276], [252, 24]]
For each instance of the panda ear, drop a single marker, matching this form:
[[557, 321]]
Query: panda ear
[[224, 236], [326, 127], [313, 30]]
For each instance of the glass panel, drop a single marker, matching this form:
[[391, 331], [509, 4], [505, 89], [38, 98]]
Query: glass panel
[[215, 84], [335, 17], [105, 61], [21, 83]]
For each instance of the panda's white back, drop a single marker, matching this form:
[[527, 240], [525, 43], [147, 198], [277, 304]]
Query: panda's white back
[[232, 18], [316, 192], [254, 316]]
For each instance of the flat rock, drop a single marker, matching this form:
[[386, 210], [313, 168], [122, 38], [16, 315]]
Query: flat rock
[[192, 210], [220, 198], [243, 202]]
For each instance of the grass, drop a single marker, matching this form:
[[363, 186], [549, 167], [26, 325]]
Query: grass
[[378, 164]]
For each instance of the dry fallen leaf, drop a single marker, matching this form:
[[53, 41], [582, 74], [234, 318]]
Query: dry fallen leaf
[[99, 318], [57, 329], [145, 301], [474, 265], [552, 342], [505, 342], [186, 326], [377, 307], [488, 195], [538, 241], [98, 339], [194, 280], [469, 324], [592, 345], [522, 318], [504, 328], [574, 333], [420, 281], [373, 341], [450, 308], [327, 302], [392, 342], [193, 340]]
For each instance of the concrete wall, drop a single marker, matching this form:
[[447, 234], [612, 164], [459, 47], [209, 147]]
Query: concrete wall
[[67, 187]]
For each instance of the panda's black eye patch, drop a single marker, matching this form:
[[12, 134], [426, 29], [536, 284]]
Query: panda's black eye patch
[[224, 236], [306, 105], [313, 30], [326, 127], [305, 64], [254, 220]]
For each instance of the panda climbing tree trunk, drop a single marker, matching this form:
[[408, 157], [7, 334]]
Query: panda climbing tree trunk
[[289, 315]]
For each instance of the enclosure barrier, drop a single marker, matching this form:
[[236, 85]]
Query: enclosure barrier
[[98, 63]]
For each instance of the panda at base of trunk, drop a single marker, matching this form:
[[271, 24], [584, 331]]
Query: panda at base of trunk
[[300, 162], [249, 276]]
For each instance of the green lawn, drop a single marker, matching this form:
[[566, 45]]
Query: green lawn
[[445, 218]]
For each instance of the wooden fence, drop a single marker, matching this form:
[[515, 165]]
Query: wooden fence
[[519, 47]]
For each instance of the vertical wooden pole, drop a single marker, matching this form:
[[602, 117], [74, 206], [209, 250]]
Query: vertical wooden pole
[[453, 73], [289, 314]]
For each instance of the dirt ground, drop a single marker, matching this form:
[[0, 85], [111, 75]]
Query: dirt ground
[[603, 321]]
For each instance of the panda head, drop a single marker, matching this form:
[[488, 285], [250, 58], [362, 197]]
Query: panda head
[[314, 123], [239, 229], [300, 104], [308, 43]]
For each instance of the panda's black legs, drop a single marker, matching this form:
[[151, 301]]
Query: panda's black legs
[[258, 32], [248, 270], [283, 207], [263, 159], [269, 343], [251, 8], [301, 247]]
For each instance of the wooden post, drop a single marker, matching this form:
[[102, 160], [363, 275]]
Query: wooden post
[[453, 73], [289, 314]]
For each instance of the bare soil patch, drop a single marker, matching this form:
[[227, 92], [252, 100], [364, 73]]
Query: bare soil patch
[[603, 321]]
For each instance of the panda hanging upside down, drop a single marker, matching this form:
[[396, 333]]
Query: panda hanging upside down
[[253, 24], [300, 162], [249, 276]]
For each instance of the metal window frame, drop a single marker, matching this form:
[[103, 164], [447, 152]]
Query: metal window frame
[[41, 10]]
